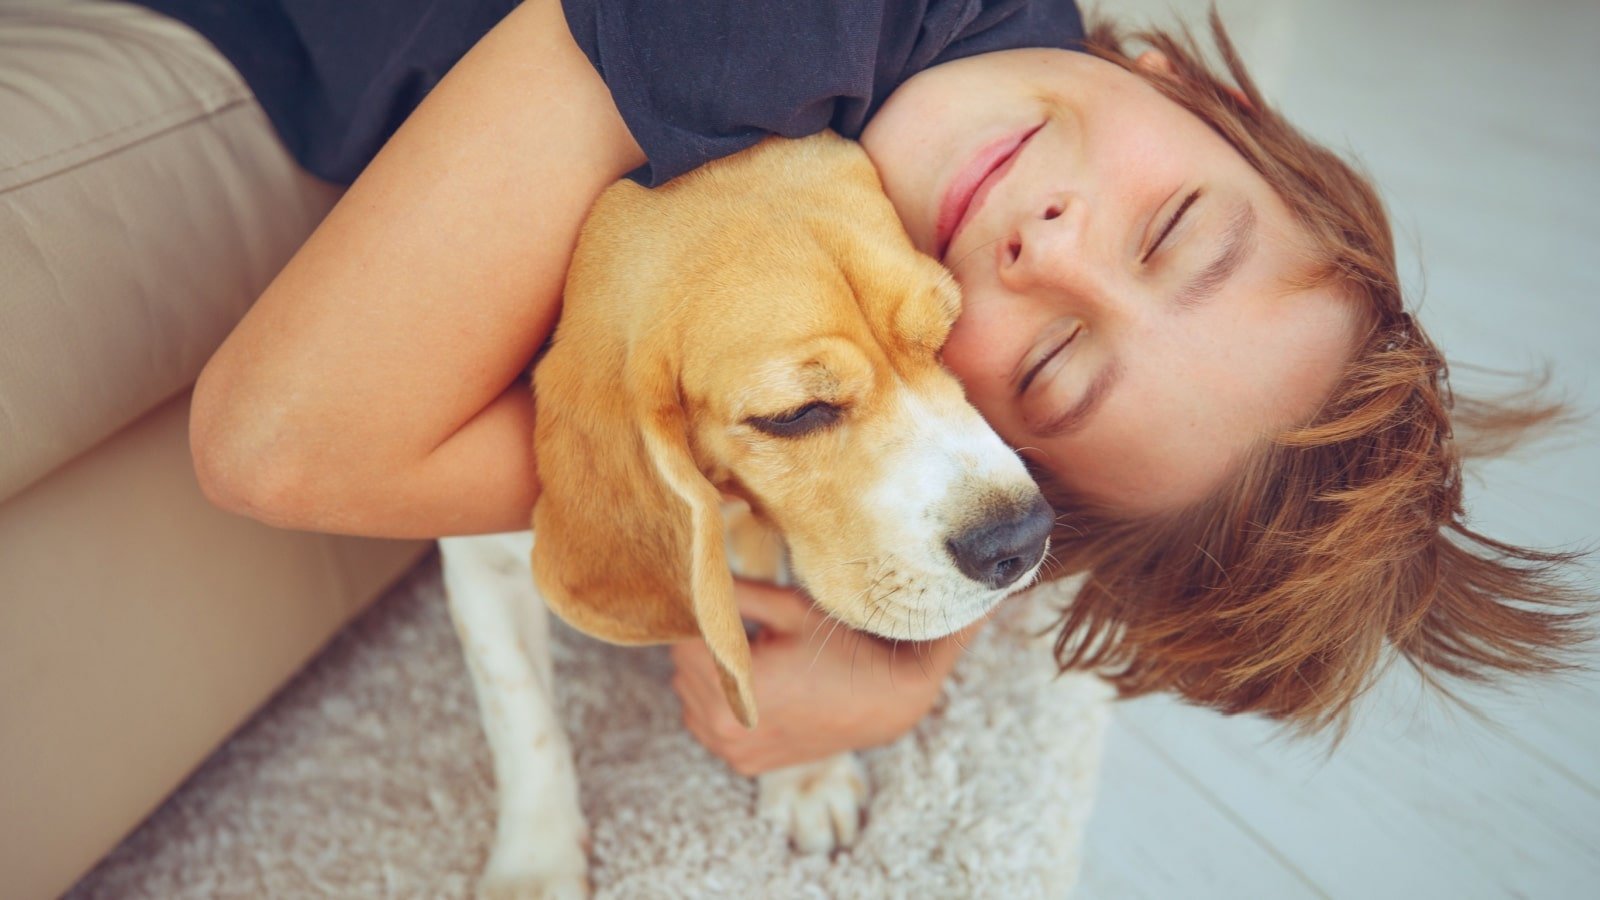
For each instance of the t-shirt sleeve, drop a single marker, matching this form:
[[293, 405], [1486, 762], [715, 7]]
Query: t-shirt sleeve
[[696, 80]]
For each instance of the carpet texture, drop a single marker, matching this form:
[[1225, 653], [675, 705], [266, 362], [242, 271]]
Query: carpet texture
[[368, 776]]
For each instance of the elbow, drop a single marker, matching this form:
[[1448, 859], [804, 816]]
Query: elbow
[[246, 461], [232, 478]]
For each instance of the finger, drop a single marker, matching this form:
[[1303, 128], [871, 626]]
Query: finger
[[701, 736], [701, 687], [699, 693], [683, 686], [693, 660], [687, 654], [780, 609], [725, 725], [732, 753], [705, 714]]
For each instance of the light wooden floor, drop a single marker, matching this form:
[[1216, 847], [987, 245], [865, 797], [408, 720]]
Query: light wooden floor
[[1481, 120]]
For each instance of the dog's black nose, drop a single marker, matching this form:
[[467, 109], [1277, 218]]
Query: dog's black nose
[[997, 552]]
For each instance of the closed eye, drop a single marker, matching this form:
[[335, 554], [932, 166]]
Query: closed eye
[[1171, 224], [797, 422]]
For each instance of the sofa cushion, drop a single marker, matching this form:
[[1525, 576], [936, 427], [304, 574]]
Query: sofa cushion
[[144, 204], [139, 626]]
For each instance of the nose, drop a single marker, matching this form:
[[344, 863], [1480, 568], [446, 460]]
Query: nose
[[996, 552], [1049, 248]]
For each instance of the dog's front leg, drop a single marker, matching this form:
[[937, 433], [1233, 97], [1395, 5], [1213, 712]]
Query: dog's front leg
[[540, 846]]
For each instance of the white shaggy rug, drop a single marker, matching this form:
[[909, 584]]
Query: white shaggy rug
[[369, 777]]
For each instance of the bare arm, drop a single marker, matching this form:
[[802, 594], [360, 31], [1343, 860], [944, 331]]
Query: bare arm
[[372, 389]]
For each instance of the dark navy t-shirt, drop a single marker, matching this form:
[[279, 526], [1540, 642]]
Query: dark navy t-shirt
[[694, 80]]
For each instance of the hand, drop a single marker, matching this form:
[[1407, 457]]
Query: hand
[[821, 688]]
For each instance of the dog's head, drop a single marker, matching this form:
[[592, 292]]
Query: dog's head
[[764, 328]]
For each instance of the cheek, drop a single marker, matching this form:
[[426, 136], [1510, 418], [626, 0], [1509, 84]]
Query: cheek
[[1132, 462], [961, 353], [977, 352], [987, 344]]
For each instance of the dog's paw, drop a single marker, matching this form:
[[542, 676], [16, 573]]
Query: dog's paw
[[505, 883], [819, 803], [536, 864]]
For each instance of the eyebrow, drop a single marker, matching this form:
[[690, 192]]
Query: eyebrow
[[1077, 415], [1237, 243]]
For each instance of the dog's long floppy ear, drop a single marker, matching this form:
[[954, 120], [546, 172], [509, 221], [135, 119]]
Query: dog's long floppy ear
[[710, 580], [630, 545]]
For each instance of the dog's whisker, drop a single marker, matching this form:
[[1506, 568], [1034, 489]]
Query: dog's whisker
[[882, 604], [826, 615], [860, 561], [867, 633], [965, 256], [1061, 520], [883, 601], [864, 591], [818, 627], [922, 651], [859, 635], [836, 623]]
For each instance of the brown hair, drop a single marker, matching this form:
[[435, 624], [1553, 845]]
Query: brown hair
[[1278, 593]]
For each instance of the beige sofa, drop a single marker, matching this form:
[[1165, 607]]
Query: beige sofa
[[143, 204]]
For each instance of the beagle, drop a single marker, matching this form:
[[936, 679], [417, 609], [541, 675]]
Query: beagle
[[760, 329]]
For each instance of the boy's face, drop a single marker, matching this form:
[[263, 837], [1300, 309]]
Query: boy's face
[[1125, 320]]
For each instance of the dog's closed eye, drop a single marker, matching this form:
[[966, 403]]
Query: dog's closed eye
[[799, 422]]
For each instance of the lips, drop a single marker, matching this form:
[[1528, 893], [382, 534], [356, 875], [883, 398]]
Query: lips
[[971, 185]]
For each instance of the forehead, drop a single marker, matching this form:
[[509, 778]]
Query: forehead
[[857, 285], [815, 323]]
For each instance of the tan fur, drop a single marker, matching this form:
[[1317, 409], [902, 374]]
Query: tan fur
[[768, 280]]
